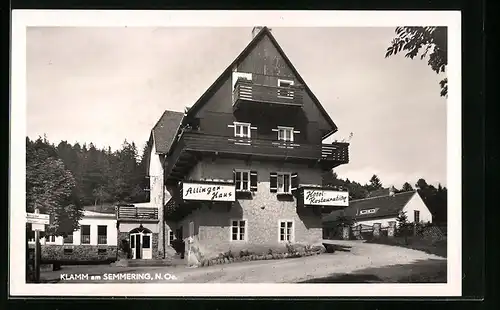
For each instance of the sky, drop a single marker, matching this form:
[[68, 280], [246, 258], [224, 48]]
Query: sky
[[105, 85]]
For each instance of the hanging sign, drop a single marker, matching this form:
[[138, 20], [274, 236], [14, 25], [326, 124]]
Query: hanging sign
[[322, 197], [208, 192]]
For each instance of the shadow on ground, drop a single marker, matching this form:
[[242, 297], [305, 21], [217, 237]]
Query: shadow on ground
[[422, 271]]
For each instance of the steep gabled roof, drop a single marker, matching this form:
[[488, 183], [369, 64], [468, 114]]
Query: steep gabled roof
[[265, 31], [384, 206], [165, 130]]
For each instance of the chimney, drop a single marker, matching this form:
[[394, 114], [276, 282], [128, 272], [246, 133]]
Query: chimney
[[256, 30], [392, 191]]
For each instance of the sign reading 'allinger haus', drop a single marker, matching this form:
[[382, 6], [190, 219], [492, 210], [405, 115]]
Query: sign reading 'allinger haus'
[[208, 192], [319, 197]]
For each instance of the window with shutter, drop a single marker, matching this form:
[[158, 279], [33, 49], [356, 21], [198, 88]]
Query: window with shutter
[[295, 181], [242, 180], [273, 182], [253, 181], [284, 183]]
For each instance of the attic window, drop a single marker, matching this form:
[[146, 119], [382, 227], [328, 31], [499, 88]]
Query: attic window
[[367, 211], [284, 90]]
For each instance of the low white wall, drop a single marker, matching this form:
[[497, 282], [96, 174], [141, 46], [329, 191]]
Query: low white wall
[[111, 232]]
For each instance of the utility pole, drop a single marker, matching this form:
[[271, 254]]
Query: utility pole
[[37, 252]]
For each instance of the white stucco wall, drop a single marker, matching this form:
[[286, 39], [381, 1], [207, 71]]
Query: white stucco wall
[[109, 222], [156, 185], [416, 203], [384, 222]]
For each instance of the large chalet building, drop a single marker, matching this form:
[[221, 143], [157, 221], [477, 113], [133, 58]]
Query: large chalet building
[[242, 167]]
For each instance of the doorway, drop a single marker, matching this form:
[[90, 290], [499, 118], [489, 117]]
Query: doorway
[[141, 243]]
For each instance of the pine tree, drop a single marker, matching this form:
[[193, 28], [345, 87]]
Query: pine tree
[[374, 184], [403, 228], [406, 187]]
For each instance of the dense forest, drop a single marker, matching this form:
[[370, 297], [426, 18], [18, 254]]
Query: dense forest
[[100, 175], [62, 178]]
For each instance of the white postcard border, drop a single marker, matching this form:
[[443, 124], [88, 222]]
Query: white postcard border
[[85, 18]]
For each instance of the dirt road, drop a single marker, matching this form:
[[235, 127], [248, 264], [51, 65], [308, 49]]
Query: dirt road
[[371, 262]]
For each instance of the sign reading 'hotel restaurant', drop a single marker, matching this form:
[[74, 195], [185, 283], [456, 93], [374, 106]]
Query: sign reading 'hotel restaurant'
[[321, 197], [208, 192]]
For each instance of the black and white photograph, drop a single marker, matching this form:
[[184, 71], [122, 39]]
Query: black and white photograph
[[263, 152]]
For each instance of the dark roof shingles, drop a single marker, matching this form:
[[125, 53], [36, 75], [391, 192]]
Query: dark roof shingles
[[386, 206], [165, 130]]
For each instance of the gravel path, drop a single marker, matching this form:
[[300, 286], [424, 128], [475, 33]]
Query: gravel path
[[358, 257]]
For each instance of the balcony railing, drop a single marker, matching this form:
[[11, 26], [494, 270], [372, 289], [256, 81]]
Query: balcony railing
[[137, 213], [330, 155], [68, 239], [85, 239], [248, 91], [102, 239]]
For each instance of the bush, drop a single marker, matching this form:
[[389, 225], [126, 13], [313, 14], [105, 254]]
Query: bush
[[244, 253], [227, 255]]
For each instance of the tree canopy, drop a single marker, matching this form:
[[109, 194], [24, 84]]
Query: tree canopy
[[426, 41], [50, 188], [92, 176]]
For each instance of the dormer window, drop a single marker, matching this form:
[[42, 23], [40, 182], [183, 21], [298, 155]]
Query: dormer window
[[367, 211], [242, 130], [286, 92], [285, 133]]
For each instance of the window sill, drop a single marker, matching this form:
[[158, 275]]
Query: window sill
[[284, 194]]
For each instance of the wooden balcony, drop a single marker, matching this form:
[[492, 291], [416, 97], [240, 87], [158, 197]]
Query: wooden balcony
[[140, 214], [247, 92], [192, 146]]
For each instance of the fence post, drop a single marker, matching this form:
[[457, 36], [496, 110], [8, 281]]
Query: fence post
[[376, 230], [391, 229], [345, 232]]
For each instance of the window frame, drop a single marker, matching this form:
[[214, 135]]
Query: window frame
[[245, 233], [282, 174], [82, 234], [149, 244], [289, 93], [99, 235], [367, 211], [171, 236], [241, 181], [292, 230], [241, 125], [415, 213], [285, 129]]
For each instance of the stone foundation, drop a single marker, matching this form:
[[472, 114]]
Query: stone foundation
[[76, 253]]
